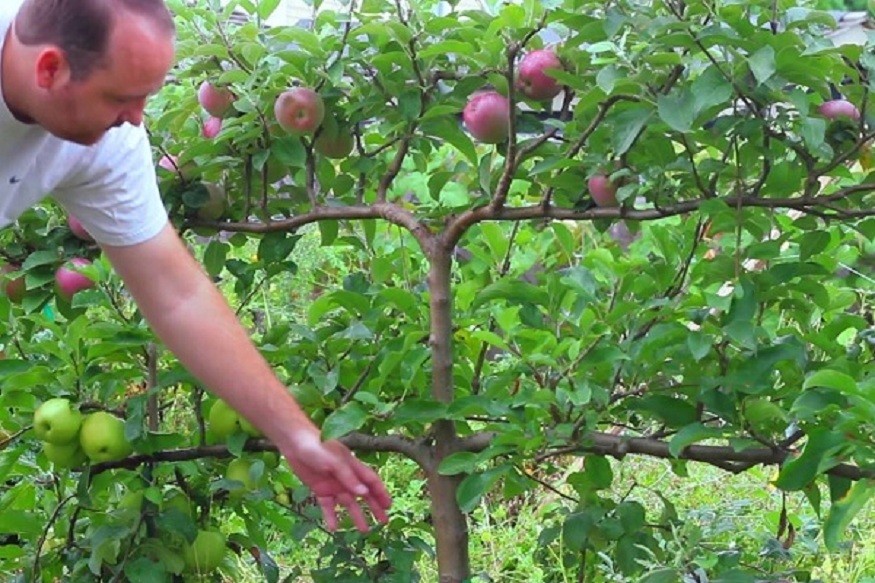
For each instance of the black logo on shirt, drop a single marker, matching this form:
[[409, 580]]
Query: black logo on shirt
[[14, 180]]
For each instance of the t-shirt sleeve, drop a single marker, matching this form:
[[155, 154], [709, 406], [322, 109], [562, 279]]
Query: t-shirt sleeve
[[115, 192]]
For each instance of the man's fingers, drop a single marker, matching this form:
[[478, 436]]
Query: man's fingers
[[329, 512], [355, 512]]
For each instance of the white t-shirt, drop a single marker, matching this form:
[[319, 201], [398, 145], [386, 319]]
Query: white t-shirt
[[110, 187]]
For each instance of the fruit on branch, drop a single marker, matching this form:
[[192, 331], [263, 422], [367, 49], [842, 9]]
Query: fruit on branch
[[299, 111], [12, 288], [239, 469], [602, 190], [102, 437], [205, 554], [334, 142], [57, 421], [171, 164], [838, 108], [225, 421], [69, 281], [78, 230], [67, 455], [216, 101], [487, 117], [533, 79], [215, 206], [212, 127]]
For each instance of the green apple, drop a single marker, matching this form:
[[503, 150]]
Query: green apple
[[205, 554], [176, 498], [240, 469], [67, 455], [225, 421], [56, 421], [103, 437]]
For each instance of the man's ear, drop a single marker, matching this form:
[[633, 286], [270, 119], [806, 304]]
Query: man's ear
[[52, 68]]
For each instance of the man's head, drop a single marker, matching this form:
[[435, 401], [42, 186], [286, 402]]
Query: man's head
[[88, 65]]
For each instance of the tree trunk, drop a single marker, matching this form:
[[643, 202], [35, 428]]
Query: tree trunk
[[451, 527]]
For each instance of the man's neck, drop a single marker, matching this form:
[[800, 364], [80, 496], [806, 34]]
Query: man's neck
[[10, 87]]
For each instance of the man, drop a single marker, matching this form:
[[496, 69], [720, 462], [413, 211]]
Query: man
[[75, 76]]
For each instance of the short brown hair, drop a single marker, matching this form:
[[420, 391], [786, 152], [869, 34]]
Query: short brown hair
[[81, 28]]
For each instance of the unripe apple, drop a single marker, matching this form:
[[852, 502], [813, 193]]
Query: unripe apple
[[12, 288], [57, 421], [337, 144], [215, 100], [212, 127], [68, 281], [299, 110], [68, 455], [214, 208], [78, 230], [102, 437], [602, 190], [835, 108], [205, 554], [532, 78], [487, 117]]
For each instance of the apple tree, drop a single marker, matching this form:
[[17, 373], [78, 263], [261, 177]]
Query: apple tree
[[573, 233]]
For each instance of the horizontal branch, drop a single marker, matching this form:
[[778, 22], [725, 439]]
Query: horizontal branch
[[618, 446], [359, 442]]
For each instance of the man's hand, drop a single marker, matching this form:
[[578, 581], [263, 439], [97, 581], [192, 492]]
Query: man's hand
[[337, 478]]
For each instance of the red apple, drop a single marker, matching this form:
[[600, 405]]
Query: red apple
[[212, 127], [602, 190], [171, 164], [68, 281], [215, 100], [12, 288], [78, 229], [835, 108], [299, 110], [532, 78], [487, 117]]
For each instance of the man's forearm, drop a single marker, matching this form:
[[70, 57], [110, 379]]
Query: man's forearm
[[192, 318]]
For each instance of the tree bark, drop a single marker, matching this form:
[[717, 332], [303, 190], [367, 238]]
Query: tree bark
[[450, 524]]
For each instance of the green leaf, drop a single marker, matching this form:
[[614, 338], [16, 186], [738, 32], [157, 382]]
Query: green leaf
[[762, 64], [663, 575], [627, 126], [473, 487], [20, 522], [144, 570], [345, 420], [513, 291], [462, 462], [812, 243], [711, 88], [672, 411], [797, 473], [843, 511], [214, 257], [265, 8], [691, 434], [451, 132], [677, 110], [276, 246], [699, 344], [831, 379], [420, 411]]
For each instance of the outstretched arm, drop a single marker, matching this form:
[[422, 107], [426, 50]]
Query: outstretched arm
[[192, 318]]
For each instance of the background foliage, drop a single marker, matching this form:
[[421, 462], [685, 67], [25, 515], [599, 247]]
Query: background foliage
[[466, 318]]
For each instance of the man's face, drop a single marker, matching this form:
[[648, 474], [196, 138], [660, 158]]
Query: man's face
[[139, 57]]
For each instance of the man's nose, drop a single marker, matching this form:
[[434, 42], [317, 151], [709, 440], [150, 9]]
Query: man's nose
[[134, 114]]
